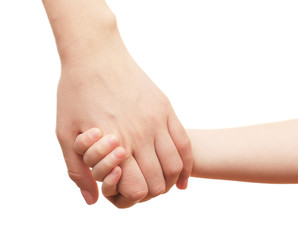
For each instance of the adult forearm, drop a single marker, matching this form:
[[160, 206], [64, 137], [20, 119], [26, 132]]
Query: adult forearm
[[80, 27], [260, 153]]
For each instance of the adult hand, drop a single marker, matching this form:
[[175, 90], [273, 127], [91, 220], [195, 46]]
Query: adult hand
[[102, 86]]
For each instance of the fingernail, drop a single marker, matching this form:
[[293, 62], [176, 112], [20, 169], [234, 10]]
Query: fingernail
[[112, 140], [87, 196], [94, 133], [183, 185], [119, 152]]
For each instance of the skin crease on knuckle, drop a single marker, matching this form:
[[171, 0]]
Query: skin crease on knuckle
[[145, 134], [96, 176], [137, 196], [184, 143], [108, 164], [157, 190], [146, 128], [76, 177], [98, 151], [174, 170]]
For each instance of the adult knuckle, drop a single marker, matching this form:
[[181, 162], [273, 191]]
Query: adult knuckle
[[157, 190], [184, 143], [166, 104], [152, 118], [188, 166], [143, 133], [139, 134], [76, 177], [60, 135], [120, 205], [137, 195], [174, 170]]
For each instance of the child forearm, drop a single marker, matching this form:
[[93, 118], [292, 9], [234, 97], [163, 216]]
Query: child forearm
[[265, 153]]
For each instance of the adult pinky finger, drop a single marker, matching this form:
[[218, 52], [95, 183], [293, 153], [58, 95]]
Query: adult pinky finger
[[183, 145], [109, 184]]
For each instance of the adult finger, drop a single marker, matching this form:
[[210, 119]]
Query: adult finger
[[132, 186], [77, 170], [86, 139], [183, 145], [169, 158], [151, 169]]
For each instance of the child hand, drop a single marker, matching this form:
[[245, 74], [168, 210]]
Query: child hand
[[103, 154]]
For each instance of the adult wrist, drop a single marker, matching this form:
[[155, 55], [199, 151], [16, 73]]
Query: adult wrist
[[87, 44], [80, 25]]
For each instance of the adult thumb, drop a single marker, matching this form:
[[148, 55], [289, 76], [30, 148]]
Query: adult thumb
[[81, 174]]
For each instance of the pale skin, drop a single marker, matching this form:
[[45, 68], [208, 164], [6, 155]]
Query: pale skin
[[265, 153], [102, 86]]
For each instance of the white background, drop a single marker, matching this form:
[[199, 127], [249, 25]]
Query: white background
[[222, 63]]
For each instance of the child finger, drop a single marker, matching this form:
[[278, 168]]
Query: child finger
[[86, 140], [100, 149], [109, 185], [103, 167]]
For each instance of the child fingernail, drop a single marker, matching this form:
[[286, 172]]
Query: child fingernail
[[112, 140], [119, 152], [94, 133]]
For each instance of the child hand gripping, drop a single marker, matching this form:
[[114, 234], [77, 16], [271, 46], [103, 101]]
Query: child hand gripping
[[264, 153], [103, 154]]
